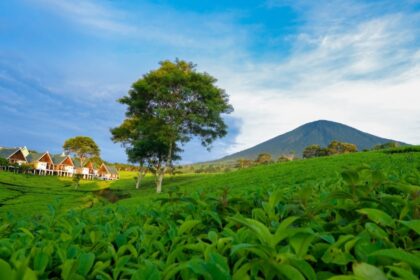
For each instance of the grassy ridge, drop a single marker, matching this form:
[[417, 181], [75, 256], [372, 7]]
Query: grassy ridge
[[23, 194], [310, 173], [353, 216]]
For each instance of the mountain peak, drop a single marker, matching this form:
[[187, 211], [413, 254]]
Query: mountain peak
[[320, 132], [321, 123]]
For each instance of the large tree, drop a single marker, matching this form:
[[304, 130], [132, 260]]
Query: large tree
[[142, 145], [82, 147], [165, 109]]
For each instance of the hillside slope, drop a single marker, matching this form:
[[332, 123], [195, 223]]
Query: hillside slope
[[320, 132]]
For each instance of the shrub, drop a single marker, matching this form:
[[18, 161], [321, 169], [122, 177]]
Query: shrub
[[4, 162], [264, 158], [336, 147], [314, 151], [76, 180], [284, 158], [388, 145], [25, 168], [243, 163]]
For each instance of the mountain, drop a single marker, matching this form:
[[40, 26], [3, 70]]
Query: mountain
[[320, 132]]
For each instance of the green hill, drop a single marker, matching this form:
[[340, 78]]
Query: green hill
[[348, 216], [24, 193], [319, 132]]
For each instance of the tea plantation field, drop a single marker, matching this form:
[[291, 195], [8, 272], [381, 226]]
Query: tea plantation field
[[354, 216]]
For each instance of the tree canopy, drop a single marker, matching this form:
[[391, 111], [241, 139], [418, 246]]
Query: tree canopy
[[335, 147], [82, 147], [314, 151], [165, 109]]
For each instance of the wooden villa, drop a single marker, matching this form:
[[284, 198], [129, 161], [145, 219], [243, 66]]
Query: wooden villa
[[14, 155], [93, 168], [60, 165], [42, 163], [106, 172], [84, 170], [63, 165]]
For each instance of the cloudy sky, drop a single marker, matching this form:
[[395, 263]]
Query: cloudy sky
[[64, 63]]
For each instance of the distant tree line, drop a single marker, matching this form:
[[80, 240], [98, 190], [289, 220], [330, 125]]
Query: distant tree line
[[388, 145], [334, 148], [262, 159]]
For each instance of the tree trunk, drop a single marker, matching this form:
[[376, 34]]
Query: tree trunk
[[159, 179], [160, 170], [139, 178], [169, 159]]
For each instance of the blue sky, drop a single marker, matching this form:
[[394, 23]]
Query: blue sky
[[63, 65]]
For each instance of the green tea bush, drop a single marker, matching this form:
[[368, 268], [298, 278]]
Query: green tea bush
[[364, 226]]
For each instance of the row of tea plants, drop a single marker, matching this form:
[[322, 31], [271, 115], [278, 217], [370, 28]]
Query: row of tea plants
[[364, 226]]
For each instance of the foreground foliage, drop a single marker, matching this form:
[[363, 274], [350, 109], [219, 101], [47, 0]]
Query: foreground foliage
[[366, 225]]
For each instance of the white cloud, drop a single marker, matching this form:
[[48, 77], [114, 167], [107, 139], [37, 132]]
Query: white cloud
[[159, 25], [366, 75], [354, 63], [89, 13]]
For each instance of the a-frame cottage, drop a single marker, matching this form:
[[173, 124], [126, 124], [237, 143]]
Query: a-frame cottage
[[106, 172], [63, 165], [83, 170], [93, 169], [14, 155], [42, 163]]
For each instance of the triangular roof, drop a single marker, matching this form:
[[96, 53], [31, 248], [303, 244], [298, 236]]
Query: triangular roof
[[110, 169], [93, 165], [59, 159], [33, 157], [77, 164], [8, 152], [113, 170]]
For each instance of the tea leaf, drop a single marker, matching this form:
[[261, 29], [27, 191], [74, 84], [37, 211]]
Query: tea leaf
[[403, 273], [378, 216], [41, 260], [289, 272], [399, 255], [148, 272], [368, 271], [187, 226], [86, 261], [6, 272], [413, 224]]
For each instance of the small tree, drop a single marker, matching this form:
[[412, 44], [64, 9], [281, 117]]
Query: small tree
[[81, 147], [264, 158], [76, 180], [25, 168], [283, 158], [243, 163], [314, 151], [167, 107], [4, 163]]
